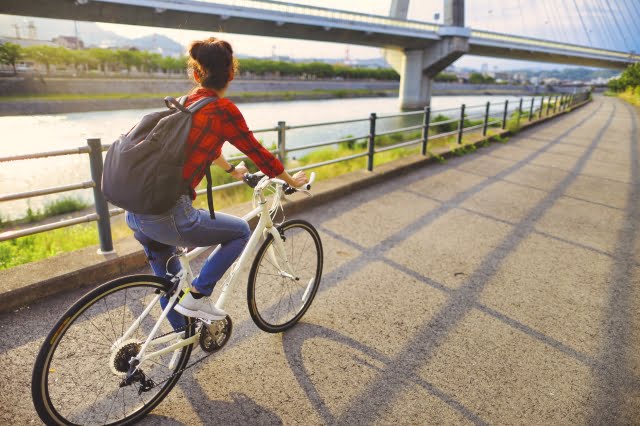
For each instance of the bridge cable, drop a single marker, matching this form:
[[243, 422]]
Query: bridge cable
[[609, 23], [597, 12], [552, 29], [521, 15], [561, 30], [630, 16], [624, 15], [618, 26], [570, 17], [583, 24]]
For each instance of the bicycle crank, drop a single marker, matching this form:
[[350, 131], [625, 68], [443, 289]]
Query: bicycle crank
[[214, 335]]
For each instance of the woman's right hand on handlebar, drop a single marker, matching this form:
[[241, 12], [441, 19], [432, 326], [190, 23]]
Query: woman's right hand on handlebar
[[299, 179]]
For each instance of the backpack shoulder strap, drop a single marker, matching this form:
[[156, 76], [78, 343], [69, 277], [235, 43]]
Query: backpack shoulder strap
[[171, 102], [201, 103]]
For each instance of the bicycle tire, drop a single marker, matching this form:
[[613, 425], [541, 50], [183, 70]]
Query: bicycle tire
[[267, 287], [59, 349]]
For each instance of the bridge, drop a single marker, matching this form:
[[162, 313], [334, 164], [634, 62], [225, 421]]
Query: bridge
[[418, 50], [506, 294]]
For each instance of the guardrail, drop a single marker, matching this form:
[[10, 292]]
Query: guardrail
[[492, 115]]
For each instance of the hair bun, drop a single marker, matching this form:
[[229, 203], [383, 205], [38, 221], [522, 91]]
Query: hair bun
[[194, 49]]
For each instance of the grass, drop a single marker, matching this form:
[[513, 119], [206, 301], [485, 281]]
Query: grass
[[631, 95], [57, 207], [47, 244]]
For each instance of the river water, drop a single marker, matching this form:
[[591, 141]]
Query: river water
[[31, 134]]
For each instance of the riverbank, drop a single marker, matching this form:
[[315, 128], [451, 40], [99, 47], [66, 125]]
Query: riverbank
[[35, 96], [60, 104]]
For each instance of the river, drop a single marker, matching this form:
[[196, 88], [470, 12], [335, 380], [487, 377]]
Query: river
[[31, 134]]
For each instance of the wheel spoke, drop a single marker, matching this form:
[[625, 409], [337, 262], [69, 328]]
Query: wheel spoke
[[81, 386], [277, 301]]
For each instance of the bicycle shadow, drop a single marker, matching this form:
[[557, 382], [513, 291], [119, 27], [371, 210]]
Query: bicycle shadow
[[293, 342], [242, 411]]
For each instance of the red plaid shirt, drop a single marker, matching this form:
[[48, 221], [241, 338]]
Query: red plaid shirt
[[215, 123]]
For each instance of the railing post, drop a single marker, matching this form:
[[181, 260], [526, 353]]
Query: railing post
[[519, 111], [461, 124], [548, 105], [282, 145], [555, 105], [425, 129], [486, 119], [372, 140], [102, 208], [504, 116], [531, 109], [541, 107]]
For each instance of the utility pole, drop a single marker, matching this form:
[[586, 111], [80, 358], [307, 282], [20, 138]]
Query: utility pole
[[75, 23]]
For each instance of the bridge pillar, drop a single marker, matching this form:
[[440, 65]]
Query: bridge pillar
[[417, 67]]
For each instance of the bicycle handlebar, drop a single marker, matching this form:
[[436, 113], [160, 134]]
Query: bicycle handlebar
[[252, 179]]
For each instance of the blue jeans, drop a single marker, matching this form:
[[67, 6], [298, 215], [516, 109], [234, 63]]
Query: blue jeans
[[186, 226]]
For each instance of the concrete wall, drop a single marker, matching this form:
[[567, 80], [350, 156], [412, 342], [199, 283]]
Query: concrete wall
[[16, 86]]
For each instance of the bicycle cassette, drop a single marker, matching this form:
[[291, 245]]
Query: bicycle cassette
[[214, 335], [120, 356]]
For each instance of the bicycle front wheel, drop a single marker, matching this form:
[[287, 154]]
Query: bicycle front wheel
[[284, 278], [78, 374]]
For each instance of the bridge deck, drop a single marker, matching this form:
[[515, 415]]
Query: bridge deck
[[499, 288]]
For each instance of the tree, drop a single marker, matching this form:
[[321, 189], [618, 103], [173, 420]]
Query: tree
[[10, 53], [44, 55], [446, 78], [104, 57]]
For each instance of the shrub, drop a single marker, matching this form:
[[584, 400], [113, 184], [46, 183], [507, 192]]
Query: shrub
[[64, 205], [443, 128]]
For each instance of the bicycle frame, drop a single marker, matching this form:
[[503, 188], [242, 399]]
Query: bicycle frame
[[265, 223]]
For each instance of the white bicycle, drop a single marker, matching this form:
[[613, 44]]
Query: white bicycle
[[114, 356]]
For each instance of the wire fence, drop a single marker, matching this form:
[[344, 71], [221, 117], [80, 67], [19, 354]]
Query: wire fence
[[466, 117]]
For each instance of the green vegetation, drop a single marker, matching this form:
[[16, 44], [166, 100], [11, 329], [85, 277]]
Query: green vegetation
[[10, 54], [96, 60], [477, 78], [262, 67], [627, 86], [446, 78], [57, 207], [630, 78], [47, 244]]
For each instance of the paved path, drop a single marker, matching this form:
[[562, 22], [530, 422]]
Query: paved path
[[499, 288]]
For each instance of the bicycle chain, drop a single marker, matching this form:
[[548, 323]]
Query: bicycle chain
[[184, 327]]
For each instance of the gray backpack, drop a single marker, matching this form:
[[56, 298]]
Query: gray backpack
[[143, 169]]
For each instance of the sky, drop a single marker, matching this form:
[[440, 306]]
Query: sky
[[612, 24]]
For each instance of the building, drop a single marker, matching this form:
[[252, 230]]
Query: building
[[69, 42]]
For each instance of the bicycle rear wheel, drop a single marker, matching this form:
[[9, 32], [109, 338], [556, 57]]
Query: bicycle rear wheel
[[279, 297], [78, 373]]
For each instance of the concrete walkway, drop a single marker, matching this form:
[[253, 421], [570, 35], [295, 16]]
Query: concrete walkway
[[499, 288]]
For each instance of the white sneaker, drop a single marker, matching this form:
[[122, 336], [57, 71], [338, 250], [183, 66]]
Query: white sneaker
[[203, 308]]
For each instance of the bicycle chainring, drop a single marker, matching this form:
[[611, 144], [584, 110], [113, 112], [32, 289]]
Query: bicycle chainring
[[214, 336]]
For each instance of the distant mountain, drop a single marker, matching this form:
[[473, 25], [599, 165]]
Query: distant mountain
[[158, 43], [89, 32]]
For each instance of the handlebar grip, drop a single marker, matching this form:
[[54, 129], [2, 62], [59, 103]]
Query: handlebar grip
[[251, 179]]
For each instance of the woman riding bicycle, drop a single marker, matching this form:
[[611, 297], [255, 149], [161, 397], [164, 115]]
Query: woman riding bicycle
[[213, 67]]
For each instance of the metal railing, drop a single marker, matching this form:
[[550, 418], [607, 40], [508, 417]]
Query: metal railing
[[490, 115]]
